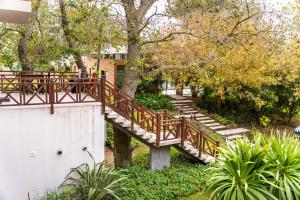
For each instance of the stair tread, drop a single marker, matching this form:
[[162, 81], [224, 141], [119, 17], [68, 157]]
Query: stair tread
[[232, 131], [217, 127], [214, 124], [207, 121]]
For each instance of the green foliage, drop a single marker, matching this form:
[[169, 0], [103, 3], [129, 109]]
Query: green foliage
[[150, 85], [110, 137], [95, 182], [180, 180], [264, 121], [64, 194], [284, 158], [267, 168], [155, 101]]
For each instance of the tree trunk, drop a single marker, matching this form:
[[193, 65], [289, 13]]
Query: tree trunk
[[25, 64], [67, 33], [123, 151]]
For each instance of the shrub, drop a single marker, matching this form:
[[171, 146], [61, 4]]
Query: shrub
[[269, 168], [284, 158], [239, 173], [94, 183], [155, 101]]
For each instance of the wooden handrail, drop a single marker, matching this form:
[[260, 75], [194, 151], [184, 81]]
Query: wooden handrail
[[165, 126], [61, 89]]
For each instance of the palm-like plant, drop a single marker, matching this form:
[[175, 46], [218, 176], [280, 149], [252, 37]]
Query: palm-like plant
[[284, 158], [239, 172], [94, 183]]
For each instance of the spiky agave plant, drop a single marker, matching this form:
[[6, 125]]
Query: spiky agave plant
[[284, 158], [94, 183], [239, 172]]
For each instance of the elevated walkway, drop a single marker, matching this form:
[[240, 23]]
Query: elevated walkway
[[159, 131]]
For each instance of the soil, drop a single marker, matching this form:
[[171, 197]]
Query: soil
[[109, 155]]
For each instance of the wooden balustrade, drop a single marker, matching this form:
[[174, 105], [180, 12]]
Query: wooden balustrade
[[61, 89]]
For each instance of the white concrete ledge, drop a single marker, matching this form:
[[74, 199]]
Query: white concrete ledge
[[63, 105]]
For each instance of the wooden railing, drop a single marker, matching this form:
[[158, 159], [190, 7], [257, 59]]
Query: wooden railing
[[165, 126], [61, 89]]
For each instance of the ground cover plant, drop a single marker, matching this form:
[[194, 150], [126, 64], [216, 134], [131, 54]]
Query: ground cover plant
[[182, 179]]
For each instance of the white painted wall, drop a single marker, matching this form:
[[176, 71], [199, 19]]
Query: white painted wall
[[14, 11], [30, 139]]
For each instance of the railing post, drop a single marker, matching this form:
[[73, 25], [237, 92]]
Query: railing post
[[51, 96], [132, 114], [182, 131], [102, 82], [165, 120], [142, 117], [158, 124], [200, 144], [216, 151]]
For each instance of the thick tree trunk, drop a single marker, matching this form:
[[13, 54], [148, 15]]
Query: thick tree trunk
[[25, 64], [71, 43], [123, 151]]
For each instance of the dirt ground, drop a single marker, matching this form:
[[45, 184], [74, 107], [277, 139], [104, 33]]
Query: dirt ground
[[109, 155]]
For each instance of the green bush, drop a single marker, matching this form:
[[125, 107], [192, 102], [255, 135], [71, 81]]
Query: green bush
[[155, 101], [110, 137], [180, 180], [267, 168], [95, 182]]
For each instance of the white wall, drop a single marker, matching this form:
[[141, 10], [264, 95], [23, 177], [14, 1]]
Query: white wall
[[30, 139], [14, 11]]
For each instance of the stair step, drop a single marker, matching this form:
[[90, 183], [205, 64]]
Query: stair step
[[119, 120], [112, 115], [146, 136], [126, 124], [217, 127], [170, 142], [234, 137], [213, 124], [140, 132], [187, 109], [202, 118], [191, 112], [235, 131], [108, 110], [181, 101], [207, 121]]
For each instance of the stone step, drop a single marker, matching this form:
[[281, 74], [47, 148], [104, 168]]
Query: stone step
[[191, 112], [202, 118], [119, 120], [234, 137], [187, 109], [207, 121], [181, 101], [218, 127], [213, 124], [230, 132], [112, 115]]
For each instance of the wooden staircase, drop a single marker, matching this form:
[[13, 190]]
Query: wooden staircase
[[155, 129]]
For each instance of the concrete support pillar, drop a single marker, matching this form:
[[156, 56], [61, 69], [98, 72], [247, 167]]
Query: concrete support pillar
[[160, 157]]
